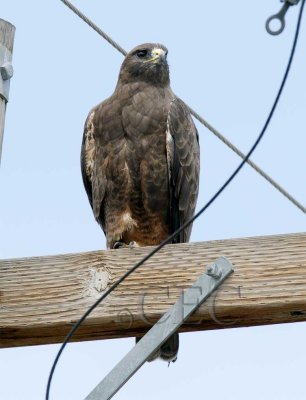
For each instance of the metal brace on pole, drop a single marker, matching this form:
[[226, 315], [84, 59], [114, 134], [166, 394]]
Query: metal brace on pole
[[169, 323], [6, 72], [7, 32]]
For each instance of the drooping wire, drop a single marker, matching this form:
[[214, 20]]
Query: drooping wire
[[186, 224], [213, 130]]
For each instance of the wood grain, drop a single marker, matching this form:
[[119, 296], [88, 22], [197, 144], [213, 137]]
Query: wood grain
[[41, 297]]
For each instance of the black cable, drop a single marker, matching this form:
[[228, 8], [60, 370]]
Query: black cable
[[186, 224]]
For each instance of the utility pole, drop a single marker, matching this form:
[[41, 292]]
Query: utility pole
[[41, 297], [7, 33]]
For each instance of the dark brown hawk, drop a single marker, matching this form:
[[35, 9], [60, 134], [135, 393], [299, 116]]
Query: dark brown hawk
[[140, 158]]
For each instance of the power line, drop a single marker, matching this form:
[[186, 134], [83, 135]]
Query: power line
[[201, 211], [194, 113], [250, 162], [94, 27]]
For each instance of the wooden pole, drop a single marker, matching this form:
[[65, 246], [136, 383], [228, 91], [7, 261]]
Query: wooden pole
[[41, 297], [7, 33]]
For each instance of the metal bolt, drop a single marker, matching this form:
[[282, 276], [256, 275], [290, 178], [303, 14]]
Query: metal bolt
[[214, 271], [7, 71]]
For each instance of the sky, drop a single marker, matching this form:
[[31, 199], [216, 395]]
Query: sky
[[226, 66]]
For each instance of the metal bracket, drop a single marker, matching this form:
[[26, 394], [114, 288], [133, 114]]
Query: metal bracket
[[280, 17], [6, 72], [168, 324]]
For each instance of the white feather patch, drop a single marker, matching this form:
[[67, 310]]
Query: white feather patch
[[169, 148], [90, 147], [128, 221]]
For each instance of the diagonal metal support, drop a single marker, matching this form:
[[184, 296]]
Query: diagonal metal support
[[168, 324]]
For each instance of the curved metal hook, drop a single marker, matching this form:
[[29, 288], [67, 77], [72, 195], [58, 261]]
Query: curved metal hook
[[280, 17]]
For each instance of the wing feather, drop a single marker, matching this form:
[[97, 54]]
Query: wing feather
[[93, 172], [183, 156]]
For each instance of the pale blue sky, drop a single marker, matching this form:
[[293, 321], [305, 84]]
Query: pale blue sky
[[225, 66]]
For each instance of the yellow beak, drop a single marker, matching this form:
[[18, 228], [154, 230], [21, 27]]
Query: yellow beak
[[156, 54]]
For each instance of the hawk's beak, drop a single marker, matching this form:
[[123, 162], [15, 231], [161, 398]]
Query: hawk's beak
[[158, 55]]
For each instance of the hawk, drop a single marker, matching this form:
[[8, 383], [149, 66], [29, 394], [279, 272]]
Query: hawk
[[140, 159]]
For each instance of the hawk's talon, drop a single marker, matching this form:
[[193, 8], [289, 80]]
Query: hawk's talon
[[133, 244], [119, 245]]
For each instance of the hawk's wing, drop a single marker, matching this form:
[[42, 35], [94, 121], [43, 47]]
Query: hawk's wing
[[183, 155], [93, 174]]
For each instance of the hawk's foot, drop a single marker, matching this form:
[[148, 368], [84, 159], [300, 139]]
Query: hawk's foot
[[133, 244], [119, 245]]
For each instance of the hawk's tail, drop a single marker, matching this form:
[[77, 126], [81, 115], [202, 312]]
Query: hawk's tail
[[168, 351]]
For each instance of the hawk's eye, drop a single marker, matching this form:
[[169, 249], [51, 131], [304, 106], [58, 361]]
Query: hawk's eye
[[142, 53]]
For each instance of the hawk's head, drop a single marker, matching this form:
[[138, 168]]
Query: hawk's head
[[147, 62]]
